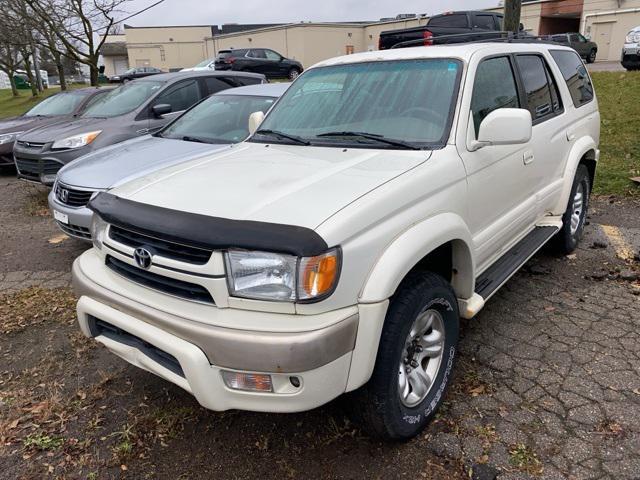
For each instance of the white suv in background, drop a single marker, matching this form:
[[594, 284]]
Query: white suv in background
[[630, 58], [385, 195]]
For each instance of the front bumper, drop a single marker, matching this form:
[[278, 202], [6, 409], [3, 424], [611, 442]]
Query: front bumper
[[78, 219], [41, 164], [630, 58], [320, 357]]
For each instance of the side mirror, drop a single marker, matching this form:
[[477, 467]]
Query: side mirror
[[255, 119], [504, 126], [161, 109]]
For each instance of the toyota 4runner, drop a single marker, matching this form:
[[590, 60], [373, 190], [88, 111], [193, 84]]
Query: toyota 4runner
[[384, 196]]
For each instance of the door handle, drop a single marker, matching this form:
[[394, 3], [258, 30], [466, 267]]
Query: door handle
[[527, 157]]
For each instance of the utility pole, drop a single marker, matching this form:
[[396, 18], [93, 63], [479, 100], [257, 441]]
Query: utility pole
[[512, 15]]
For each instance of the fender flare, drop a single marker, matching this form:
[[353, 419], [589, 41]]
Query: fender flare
[[577, 152], [417, 241]]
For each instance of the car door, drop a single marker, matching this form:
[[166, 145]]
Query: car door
[[276, 67], [500, 194], [257, 61], [577, 44], [180, 95], [545, 162]]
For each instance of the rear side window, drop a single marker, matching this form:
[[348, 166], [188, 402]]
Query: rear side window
[[457, 20], [242, 80], [483, 22], [575, 74], [494, 87], [215, 84], [540, 89]]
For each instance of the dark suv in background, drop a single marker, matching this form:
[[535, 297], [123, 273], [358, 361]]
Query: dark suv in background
[[258, 60], [585, 47], [135, 109], [133, 73]]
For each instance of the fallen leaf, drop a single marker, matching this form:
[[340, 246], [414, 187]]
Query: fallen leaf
[[58, 239], [636, 391], [479, 390]]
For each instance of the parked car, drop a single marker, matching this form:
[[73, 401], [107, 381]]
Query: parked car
[[56, 108], [133, 73], [335, 250], [259, 60], [213, 124], [466, 26], [585, 47], [208, 64], [132, 110], [630, 58]]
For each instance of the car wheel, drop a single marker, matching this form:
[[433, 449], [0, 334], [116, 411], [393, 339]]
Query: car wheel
[[592, 56], [414, 361], [293, 74], [125, 80], [574, 217]]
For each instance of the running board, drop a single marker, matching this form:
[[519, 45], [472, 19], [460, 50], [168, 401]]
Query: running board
[[502, 270]]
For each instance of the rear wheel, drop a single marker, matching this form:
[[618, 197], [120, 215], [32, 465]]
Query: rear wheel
[[293, 74], [415, 357], [592, 56], [574, 217]]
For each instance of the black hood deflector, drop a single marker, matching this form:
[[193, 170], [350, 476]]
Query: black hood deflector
[[207, 232]]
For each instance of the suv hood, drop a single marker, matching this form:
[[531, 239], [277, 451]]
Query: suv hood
[[22, 123], [286, 184], [62, 130], [125, 161]]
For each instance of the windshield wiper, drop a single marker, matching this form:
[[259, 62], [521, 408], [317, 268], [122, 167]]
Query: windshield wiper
[[288, 136], [188, 138], [372, 136]]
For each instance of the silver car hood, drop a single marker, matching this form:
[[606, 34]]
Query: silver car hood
[[117, 164]]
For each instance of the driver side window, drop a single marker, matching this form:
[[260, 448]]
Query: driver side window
[[180, 96], [271, 55], [494, 87]]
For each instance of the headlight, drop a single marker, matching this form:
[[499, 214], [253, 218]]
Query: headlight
[[632, 37], [9, 137], [274, 276], [115, 77], [98, 230], [76, 141]]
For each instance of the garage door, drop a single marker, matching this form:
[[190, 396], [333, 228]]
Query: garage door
[[121, 65]]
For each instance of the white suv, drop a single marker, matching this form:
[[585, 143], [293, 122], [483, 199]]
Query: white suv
[[385, 195]]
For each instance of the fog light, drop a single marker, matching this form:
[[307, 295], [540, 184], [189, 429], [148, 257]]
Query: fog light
[[48, 178], [254, 382]]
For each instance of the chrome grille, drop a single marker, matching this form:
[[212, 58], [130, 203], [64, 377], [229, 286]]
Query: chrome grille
[[75, 230], [164, 248], [73, 197], [34, 145]]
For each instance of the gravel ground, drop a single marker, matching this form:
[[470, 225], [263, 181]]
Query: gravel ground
[[547, 384]]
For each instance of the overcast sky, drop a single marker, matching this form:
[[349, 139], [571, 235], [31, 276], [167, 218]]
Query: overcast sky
[[217, 12]]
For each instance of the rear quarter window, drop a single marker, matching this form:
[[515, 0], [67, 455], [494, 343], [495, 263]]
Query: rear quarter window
[[575, 75], [457, 20]]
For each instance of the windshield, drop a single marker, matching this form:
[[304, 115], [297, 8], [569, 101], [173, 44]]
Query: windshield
[[123, 99], [203, 64], [219, 119], [59, 104], [408, 102]]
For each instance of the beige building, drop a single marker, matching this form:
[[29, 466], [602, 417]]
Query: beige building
[[172, 48]]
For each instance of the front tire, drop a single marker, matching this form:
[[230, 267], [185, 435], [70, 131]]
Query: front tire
[[574, 217], [592, 56], [415, 357]]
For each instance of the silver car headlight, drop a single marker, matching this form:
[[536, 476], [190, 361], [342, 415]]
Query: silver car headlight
[[280, 277], [76, 141], [9, 137], [98, 231], [632, 37]]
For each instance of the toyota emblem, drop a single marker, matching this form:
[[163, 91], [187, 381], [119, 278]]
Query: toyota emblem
[[64, 195], [142, 257]]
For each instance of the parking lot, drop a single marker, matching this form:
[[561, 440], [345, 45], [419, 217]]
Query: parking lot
[[547, 384]]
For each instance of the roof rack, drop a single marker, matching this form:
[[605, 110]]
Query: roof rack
[[493, 36]]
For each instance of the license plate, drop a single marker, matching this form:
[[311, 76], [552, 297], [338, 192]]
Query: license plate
[[61, 217]]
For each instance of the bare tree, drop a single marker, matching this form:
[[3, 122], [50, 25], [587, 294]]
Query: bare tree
[[512, 15], [80, 26]]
